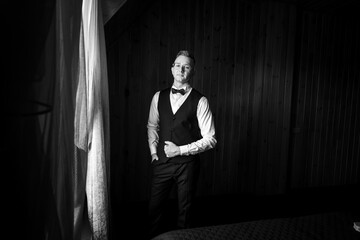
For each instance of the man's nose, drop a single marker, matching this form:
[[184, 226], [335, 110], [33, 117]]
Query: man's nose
[[182, 68]]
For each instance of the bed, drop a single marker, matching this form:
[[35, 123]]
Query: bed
[[324, 226]]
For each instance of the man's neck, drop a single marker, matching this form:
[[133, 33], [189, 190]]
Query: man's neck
[[181, 85]]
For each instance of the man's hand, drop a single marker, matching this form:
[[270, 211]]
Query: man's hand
[[154, 157], [171, 150]]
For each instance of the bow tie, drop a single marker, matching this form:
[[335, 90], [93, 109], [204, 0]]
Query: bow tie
[[174, 91]]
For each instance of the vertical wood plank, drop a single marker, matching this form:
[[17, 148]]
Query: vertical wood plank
[[244, 54]]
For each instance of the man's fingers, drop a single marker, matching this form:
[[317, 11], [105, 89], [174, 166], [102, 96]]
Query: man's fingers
[[167, 142]]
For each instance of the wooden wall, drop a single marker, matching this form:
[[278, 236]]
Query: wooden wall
[[246, 60], [326, 139]]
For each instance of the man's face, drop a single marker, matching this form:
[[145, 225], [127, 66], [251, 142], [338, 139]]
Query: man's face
[[182, 69]]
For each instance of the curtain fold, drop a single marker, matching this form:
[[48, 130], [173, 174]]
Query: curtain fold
[[62, 152], [77, 141], [92, 99]]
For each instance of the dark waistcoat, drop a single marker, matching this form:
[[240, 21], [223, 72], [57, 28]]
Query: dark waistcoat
[[180, 128]]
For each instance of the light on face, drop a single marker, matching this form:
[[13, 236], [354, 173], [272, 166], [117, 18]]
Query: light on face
[[185, 67]]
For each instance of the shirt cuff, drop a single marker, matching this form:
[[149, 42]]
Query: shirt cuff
[[153, 150], [184, 150]]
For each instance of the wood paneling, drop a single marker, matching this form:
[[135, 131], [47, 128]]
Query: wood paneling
[[245, 57], [327, 130]]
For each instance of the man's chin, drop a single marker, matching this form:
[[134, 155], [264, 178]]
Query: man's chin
[[181, 80]]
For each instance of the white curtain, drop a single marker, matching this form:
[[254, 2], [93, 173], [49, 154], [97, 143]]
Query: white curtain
[[78, 142], [92, 117]]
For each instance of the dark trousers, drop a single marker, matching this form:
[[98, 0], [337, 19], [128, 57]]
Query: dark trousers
[[164, 176]]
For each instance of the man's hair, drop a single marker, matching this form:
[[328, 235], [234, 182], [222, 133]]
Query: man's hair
[[186, 54]]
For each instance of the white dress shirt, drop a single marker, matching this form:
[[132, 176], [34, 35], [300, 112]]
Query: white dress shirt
[[205, 122]]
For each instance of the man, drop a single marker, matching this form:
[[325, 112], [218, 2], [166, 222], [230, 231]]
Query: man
[[180, 126]]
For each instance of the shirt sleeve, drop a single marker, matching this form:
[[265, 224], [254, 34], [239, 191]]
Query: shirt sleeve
[[207, 128], [153, 124]]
